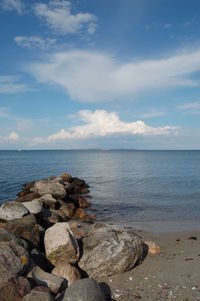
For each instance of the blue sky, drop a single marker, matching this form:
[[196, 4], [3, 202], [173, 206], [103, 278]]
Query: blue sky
[[100, 74]]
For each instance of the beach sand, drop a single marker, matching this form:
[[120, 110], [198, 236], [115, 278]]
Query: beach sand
[[174, 274]]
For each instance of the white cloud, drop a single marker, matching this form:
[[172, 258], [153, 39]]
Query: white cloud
[[12, 137], [59, 17], [10, 85], [92, 76], [101, 123], [151, 114], [34, 42], [10, 5]]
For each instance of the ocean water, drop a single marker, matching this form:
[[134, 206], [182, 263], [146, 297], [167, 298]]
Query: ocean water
[[152, 190]]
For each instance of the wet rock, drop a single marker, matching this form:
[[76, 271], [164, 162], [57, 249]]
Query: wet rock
[[109, 250], [26, 228], [27, 197], [39, 293], [67, 208], [55, 189], [12, 210], [153, 248], [54, 283], [79, 233], [84, 290], [66, 177], [67, 271], [14, 289], [60, 244], [13, 259], [80, 213], [83, 203], [33, 207]]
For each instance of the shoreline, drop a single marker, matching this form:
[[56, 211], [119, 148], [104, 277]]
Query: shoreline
[[133, 263]]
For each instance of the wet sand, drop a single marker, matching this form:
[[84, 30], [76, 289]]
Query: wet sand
[[174, 274]]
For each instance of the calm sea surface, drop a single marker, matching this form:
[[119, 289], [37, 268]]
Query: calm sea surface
[[153, 190]]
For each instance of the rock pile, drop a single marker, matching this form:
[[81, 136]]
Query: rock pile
[[50, 244]]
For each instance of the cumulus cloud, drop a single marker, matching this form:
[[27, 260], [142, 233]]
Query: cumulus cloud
[[34, 42], [12, 137], [58, 16], [10, 5], [10, 84], [101, 123], [92, 76]]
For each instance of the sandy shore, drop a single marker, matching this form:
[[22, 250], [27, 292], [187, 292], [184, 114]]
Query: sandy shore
[[174, 274]]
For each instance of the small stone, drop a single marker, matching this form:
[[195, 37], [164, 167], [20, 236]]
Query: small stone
[[153, 248]]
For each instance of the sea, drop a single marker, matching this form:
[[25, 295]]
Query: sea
[[155, 191]]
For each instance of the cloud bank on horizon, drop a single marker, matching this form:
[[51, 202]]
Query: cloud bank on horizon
[[110, 69]]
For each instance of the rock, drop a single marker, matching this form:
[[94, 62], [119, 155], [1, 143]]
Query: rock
[[13, 259], [79, 233], [54, 283], [27, 197], [12, 210], [153, 249], [67, 208], [7, 236], [60, 244], [39, 293], [48, 201], [55, 189], [66, 177], [26, 228], [67, 271], [83, 203], [109, 250], [33, 207], [80, 213], [26, 188], [84, 290], [14, 289], [55, 217]]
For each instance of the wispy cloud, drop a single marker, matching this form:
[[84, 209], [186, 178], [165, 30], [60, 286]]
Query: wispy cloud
[[59, 17], [152, 113], [101, 123], [192, 107], [10, 5], [92, 76], [34, 42], [10, 84]]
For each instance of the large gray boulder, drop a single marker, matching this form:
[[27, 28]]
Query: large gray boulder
[[13, 259], [109, 250], [60, 244], [55, 189], [84, 290], [12, 210], [33, 206]]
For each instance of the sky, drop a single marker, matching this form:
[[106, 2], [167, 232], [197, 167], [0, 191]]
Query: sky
[[117, 74]]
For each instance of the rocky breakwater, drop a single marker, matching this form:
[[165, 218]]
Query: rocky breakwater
[[51, 248]]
